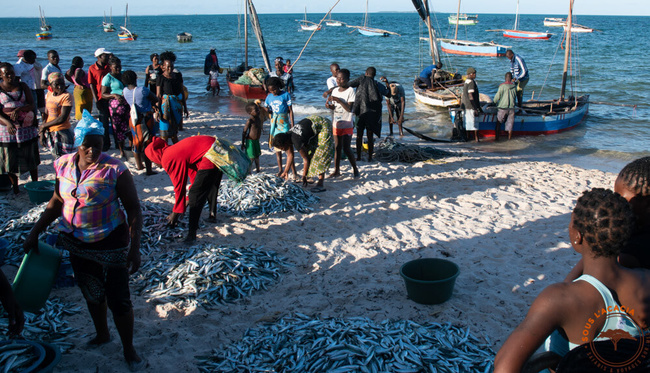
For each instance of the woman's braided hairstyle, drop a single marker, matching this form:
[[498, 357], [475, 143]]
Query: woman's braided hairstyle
[[605, 220], [636, 176]]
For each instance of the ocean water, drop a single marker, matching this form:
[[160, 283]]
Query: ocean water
[[609, 66]]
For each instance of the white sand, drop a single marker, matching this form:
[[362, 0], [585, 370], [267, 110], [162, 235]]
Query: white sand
[[502, 220]]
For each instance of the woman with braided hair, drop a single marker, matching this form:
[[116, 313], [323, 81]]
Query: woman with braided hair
[[601, 224]]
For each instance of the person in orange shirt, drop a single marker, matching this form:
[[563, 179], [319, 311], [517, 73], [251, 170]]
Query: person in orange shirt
[[56, 132]]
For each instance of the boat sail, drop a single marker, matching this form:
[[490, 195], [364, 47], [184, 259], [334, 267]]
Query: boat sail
[[108, 24], [251, 91], [471, 48], [542, 117], [45, 33], [365, 30], [520, 34], [125, 34], [307, 25], [441, 95]]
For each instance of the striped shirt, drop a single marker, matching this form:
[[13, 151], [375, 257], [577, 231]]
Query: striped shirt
[[518, 68], [91, 210]]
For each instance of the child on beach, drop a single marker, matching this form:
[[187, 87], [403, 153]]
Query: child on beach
[[279, 102], [252, 132], [341, 101], [214, 83], [601, 225]]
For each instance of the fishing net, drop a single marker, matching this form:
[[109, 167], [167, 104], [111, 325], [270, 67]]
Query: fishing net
[[252, 77], [389, 150]]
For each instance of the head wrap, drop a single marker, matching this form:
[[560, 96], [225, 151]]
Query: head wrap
[[53, 77], [87, 126], [155, 150]]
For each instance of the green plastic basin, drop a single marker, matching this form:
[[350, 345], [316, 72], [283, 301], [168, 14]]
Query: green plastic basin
[[429, 280], [40, 191], [36, 276]]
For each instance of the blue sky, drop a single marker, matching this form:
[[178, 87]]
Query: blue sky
[[84, 8]]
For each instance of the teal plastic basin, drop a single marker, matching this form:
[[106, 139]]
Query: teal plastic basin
[[36, 276], [40, 191], [429, 280]]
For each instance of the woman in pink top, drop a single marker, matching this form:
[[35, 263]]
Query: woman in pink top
[[83, 96], [104, 244]]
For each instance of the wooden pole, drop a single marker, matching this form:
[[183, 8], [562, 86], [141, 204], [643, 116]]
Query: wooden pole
[[567, 49], [432, 46], [246, 37], [310, 36], [457, 19]]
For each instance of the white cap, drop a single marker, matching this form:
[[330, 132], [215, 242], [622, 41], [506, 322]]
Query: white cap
[[101, 51]]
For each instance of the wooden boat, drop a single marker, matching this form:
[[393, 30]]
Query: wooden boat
[[45, 33], [541, 117], [184, 37], [520, 34], [463, 19], [332, 23], [125, 34], [579, 28], [471, 48], [107, 25], [248, 91], [554, 22], [365, 30], [307, 25]]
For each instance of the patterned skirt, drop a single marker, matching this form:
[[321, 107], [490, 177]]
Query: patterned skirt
[[119, 110], [18, 158], [324, 151]]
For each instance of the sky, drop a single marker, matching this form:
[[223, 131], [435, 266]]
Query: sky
[[86, 8]]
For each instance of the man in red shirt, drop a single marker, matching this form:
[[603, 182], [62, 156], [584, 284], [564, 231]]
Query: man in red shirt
[[182, 161], [96, 73]]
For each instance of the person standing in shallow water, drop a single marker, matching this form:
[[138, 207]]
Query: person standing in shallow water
[[103, 242]]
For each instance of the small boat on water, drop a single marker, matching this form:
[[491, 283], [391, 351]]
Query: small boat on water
[[554, 22], [184, 37], [251, 90], [463, 19], [46, 32], [365, 30], [540, 117], [579, 28], [471, 48], [520, 34], [107, 25], [332, 23], [125, 34], [307, 25]]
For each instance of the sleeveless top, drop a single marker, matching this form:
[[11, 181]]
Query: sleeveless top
[[83, 82]]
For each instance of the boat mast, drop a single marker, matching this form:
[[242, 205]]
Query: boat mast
[[246, 39], [365, 19], [433, 42], [457, 18], [255, 22], [517, 16], [567, 49]]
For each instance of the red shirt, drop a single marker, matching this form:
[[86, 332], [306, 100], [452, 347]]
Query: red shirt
[[95, 76], [182, 160]]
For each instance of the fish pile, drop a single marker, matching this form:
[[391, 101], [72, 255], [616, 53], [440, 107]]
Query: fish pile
[[47, 325], [390, 150], [263, 194], [208, 275], [299, 343], [16, 356], [155, 230], [16, 229]]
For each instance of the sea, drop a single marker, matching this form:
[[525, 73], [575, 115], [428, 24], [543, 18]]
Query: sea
[[607, 64]]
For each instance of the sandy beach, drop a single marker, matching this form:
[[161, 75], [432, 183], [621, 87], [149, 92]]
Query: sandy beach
[[501, 217]]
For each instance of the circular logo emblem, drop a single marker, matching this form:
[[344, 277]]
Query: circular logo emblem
[[622, 347]]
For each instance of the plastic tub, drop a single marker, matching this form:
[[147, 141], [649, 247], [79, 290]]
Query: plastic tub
[[51, 358], [429, 280], [40, 191], [36, 276], [39, 353]]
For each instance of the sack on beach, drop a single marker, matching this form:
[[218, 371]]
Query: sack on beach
[[231, 160]]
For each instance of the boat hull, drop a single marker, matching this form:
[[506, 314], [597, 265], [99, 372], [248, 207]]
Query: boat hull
[[247, 92], [582, 29], [365, 31], [46, 35], [438, 97], [127, 37], [518, 34], [533, 124], [554, 22], [473, 49], [464, 20], [184, 37], [310, 27], [334, 24]]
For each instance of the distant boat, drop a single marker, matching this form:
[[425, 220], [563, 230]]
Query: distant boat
[[184, 37], [107, 25], [125, 34], [471, 48], [520, 34], [579, 28], [541, 117], [365, 30], [463, 19], [249, 91], [308, 25], [332, 23], [554, 22], [45, 33]]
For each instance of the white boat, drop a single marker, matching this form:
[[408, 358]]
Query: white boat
[[463, 19], [468, 47], [515, 33], [308, 25], [579, 28], [554, 22], [184, 37], [365, 30], [108, 25], [332, 23]]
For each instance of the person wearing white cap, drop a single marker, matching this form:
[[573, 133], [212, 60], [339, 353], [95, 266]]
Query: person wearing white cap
[[96, 73]]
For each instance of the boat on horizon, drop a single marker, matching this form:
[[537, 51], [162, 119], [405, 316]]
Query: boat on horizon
[[554, 22], [540, 117], [125, 34], [307, 25], [521, 34], [471, 48], [107, 24], [184, 37], [45, 33], [366, 30], [333, 23], [249, 91], [579, 28], [463, 19]]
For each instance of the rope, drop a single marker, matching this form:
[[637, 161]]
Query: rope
[[551, 65]]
